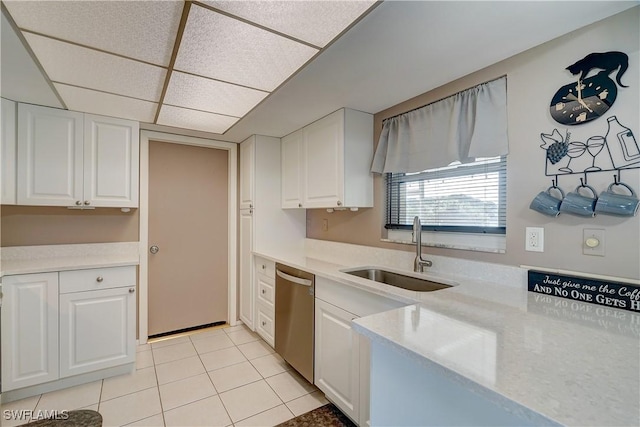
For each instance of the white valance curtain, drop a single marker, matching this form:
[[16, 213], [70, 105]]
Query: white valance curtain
[[468, 125]]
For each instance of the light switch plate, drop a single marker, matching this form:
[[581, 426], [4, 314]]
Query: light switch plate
[[593, 241], [534, 239]]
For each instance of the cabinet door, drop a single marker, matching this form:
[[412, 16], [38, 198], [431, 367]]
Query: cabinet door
[[111, 162], [264, 324], [50, 156], [245, 290], [8, 143], [29, 330], [324, 162], [291, 147], [337, 357], [97, 330], [247, 171]]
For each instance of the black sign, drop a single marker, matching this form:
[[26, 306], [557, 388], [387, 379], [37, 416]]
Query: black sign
[[620, 295]]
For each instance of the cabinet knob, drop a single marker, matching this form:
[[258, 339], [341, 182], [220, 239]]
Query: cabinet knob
[[339, 203], [250, 211], [250, 206], [264, 323], [78, 202], [132, 290], [299, 205], [264, 266], [87, 203], [264, 292], [99, 279]]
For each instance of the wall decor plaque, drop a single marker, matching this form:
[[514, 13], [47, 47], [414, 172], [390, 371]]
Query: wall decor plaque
[[624, 296]]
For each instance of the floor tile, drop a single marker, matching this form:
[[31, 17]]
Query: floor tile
[[206, 412], [213, 343], [144, 359], [243, 337], [173, 352], [130, 408], [139, 379], [255, 349], [307, 403], [290, 385], [206, 334], [14, 417], [185, 391], [170, 341], [272, 417], [153, 421], [249, 400], [236, 328], [234, 376], [143, 347], [71, 398], [270, 365], [179, 369], [222, 358]]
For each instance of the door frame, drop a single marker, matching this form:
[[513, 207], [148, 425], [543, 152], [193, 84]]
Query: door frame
[[232, 148]]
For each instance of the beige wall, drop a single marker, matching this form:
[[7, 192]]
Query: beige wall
[[532, 79], [35, 225]]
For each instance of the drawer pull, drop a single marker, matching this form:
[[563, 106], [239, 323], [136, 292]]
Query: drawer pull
[[264, 266], [132, 290], [99, 279], [264, 323], [264, 292]]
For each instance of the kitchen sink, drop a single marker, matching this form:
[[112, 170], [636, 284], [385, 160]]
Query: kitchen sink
[[398, 280]]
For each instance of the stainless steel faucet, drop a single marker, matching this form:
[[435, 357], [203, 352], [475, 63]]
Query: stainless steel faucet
[[419, 263]]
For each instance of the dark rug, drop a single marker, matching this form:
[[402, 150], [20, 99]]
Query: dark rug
[[327, 415], [79, 418]]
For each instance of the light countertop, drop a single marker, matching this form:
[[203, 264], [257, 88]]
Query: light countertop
[[571, 362]]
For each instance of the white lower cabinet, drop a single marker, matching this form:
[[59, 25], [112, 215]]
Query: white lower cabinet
[[337, 357], [29, 330], [341, 354], [97, 330], [265, 286], [60, 324]]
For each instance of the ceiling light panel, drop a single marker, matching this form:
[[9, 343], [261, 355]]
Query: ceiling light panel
[[223, 48], [145, 30], [316, 22], [106, 104], [79, 66], [191, 119], [199, 93]]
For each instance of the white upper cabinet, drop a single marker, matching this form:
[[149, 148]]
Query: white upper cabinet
[[247, 173], [327, 163], [67, 158], [8, 141], [111, 161], [291, 146]]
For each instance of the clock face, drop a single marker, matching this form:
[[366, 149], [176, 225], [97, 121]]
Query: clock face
[[581, 102]]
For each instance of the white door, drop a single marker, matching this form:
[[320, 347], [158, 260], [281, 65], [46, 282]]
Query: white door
[[291, 146], [247, 169], [324, 162], [189, 226], [29, 330], [245, 279], [97, 330], [111, 161], [337, 357], [50, 156]]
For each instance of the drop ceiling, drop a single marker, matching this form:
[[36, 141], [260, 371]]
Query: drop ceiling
[[229, 69]]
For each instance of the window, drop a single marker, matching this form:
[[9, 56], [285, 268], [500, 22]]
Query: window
[[467, 198]]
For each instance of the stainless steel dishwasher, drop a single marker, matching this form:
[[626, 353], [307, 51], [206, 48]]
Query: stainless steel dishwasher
[[295, 303]]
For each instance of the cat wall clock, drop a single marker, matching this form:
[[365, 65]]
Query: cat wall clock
[[589, 97]]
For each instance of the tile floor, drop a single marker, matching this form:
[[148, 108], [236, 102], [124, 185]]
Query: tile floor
[[217, 377]]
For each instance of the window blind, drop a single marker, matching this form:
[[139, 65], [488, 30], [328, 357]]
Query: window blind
[[469, 198]]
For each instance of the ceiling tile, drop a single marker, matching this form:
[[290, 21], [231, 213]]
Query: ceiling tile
[[316, 22], [204, 94], [223, 48], [144, 30], [191, 119], [91, 101], [79, 66]]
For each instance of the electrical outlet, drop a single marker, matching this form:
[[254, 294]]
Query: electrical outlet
[[593, 241], [325, 225], [534, 239]]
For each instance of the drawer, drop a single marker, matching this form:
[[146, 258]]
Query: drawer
[[266, 289], [97, 278], [266, 267], [264, 324]]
